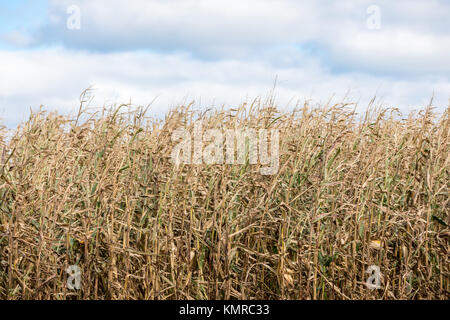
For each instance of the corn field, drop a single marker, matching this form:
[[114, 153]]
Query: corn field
[[99, 190]]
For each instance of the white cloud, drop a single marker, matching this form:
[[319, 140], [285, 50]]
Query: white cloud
[[18, 38], [56, 77], [394, 52], [413, 36]]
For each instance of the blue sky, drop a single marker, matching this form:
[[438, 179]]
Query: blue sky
[[222, 52], [21, 15]]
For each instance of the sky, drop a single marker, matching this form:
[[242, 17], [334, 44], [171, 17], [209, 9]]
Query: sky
[[218, 53]]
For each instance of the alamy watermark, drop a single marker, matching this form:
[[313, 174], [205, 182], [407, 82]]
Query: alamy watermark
[[74, 19], [215, 146], [373, 21], [74, 279], [374, 279]]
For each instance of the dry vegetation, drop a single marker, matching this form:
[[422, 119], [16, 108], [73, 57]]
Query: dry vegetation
[[103, 193]]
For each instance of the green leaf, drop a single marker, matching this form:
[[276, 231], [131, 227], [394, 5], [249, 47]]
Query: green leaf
[[439, 220]]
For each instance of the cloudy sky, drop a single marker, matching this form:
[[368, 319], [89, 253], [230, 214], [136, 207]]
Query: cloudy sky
[[221, 52]]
